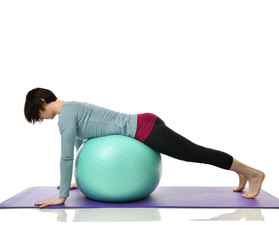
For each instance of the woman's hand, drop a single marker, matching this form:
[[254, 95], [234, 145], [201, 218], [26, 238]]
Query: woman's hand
[[51, 202], [54, 201], [73, 185]]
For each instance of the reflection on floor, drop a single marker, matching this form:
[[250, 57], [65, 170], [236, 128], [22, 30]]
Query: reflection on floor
[[137, 214]]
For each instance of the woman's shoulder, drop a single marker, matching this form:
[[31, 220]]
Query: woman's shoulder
[[71, 108], [74, 103], [69, 111]]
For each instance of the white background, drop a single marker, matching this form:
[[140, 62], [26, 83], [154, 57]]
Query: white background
[[209, 69]]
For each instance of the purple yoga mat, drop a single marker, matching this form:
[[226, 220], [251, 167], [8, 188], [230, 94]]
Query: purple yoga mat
[[162, 197]]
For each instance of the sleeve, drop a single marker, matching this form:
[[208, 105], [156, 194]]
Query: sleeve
[[68, 136]]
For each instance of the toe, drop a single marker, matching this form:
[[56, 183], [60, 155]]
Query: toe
[[249, 195], [245, 195]]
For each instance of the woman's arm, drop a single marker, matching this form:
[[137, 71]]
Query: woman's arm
[[68, 139], [67, 128]]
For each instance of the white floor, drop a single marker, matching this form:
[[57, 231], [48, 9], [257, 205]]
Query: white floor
[[138, 223]]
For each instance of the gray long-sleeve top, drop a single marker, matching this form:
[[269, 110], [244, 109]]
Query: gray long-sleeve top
[[79, 121]]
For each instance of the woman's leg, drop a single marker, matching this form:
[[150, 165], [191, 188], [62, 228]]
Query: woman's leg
[[164, 140]]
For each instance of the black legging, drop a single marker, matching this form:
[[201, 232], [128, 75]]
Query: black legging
[[164, 140]]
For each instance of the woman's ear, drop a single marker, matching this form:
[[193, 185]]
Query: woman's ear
[[43, 102]]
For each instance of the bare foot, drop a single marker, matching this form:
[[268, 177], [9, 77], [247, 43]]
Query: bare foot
[[242, 183], [73, 185], [246, 173], [255, 183]]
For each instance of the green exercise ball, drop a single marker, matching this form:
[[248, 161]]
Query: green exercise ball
[[117, 168]]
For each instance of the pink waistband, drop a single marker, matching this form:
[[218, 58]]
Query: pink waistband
[[145, 125]]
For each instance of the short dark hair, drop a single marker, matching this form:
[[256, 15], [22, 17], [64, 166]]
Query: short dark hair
[[34, 103]]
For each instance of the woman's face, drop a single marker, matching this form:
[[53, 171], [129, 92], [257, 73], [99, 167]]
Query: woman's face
[[48, 113]]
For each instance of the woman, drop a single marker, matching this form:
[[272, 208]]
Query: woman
[[79, 121]]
